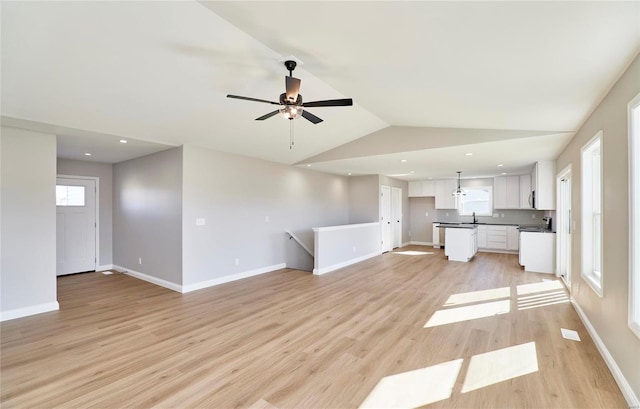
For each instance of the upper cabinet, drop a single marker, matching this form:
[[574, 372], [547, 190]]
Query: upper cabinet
[[543, 185], [444, 198], [526, 200], [506, 192], [422, 188]]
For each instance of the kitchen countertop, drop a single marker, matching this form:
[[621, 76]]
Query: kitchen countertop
[[530, 228], [480, 223], [458, 226]]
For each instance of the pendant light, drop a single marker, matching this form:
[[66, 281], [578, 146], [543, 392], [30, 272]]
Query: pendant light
[[458, 191]]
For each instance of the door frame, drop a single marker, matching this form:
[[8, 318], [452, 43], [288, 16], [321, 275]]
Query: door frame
[[97, 209], [396, 207], [560, 233], [383, 246]]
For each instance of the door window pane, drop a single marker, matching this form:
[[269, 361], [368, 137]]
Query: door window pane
[[69, 195]]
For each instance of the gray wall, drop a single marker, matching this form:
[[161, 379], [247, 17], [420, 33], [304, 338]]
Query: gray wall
[[103, 171], [27, 219], [235, 195], [609, 313], [364, 199], [404, 185], [147, 215], [421, 225]]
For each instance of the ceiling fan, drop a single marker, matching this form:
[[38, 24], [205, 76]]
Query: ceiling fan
[[291, 103]]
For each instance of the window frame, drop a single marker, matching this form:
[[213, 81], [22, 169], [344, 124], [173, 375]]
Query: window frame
[[461, 201], [588, 255], [633, 116]]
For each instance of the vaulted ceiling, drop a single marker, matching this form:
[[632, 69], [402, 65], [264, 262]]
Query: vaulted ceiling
[[509, 82]]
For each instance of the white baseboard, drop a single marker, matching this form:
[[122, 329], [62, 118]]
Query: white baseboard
[[622, 382], [150, 279], [233, 277], [319, 271], [104, 267], [421, 243], [31, 310]]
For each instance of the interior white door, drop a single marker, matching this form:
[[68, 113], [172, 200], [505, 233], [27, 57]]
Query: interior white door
[[396, 217], [75, 225], [564, 228], [385, 218]]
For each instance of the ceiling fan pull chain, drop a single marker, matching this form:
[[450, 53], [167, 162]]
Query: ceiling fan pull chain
[[291, 141]]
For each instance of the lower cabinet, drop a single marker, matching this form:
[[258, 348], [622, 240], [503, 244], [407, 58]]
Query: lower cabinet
[[499, 238], [461, 243], [537, 252]]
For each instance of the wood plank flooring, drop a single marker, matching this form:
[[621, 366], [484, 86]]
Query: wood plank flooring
[[289, 339]]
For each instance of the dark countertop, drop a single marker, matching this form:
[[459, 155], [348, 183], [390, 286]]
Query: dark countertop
[[458, 226], [481, 223]]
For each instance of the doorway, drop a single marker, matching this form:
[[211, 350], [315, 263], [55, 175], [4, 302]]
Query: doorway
[[76, 224], [564, 229], [396, 217]]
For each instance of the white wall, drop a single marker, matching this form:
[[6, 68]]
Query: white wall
[[147, 216], [608, 314], [27, 222], [235, 195], [104, 173], [340, 246]]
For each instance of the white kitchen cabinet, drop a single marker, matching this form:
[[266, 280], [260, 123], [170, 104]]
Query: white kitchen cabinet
[[537, 252], [436, 235], [497, 237], [422, 188], [482, 237], [543, 179], [506, 192], [461, 243], [513, 239], [525, 191], [444, 198]]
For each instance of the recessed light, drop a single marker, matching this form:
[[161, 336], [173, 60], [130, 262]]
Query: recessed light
[[87, 154], [403, 160], [309, 165], [429, 178], [503, 173], [468, 154], [349, 173], [500, 165], [123, 141], [411, 171]]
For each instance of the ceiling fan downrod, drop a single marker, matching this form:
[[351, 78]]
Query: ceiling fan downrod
[[290, 65]]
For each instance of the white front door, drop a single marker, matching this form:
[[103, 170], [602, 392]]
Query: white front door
[[75, 225], [385, 217], [564, 227], [396, 216]]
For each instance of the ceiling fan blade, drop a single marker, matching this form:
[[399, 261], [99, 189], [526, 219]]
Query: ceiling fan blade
[[267, 116], [330, 103], [309, 116], [293, 87], [253, 99]]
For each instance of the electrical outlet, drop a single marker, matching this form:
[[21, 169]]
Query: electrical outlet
[[577, 287], [426, 214], [447, 214], [533, 215], [237, 262], [266, 219], [354, 249], [139, 260]]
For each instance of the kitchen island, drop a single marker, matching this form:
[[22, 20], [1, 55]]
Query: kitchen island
[[461, 241]]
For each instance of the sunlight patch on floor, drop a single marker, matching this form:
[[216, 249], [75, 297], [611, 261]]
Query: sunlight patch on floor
[[415, 388], [478, 296], [413, 253], [524, 289], [500, 365], [470, 312]]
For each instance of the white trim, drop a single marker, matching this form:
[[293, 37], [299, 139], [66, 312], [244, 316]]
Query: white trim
[[319, 271], [27, 311], [634, 201], [296, 238], [420, 243], [564, 173], [233, 277], [622, 382], [344, 226], [97, 181], [104, 267], [150, 279], [405, 244]]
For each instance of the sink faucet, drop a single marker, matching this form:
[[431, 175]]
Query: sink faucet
[[474, 218]]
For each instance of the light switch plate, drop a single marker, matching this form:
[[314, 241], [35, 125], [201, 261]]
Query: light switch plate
[[201, 221]]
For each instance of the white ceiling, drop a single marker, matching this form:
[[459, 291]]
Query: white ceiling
[[158, 72]]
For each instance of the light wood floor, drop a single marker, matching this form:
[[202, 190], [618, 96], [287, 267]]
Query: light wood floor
[[289, 339]]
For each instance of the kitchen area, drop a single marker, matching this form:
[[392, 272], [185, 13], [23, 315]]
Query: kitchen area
[[504, 214]]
